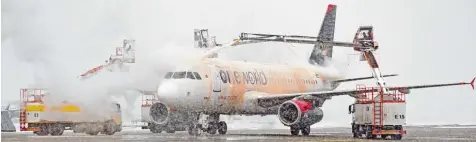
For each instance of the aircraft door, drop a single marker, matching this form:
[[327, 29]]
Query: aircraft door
[[216, 81]]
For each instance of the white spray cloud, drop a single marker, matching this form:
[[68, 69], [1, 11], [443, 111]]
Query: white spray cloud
[[60, 39]]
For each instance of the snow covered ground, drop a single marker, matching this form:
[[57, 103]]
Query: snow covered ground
[[245, 124]]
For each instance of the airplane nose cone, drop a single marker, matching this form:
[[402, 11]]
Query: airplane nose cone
[[168, 93]]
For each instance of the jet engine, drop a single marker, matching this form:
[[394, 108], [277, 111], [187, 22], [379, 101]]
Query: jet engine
[[299, 112], [159, 113]]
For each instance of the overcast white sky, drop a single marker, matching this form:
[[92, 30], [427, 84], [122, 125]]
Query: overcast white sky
[[53, 41]]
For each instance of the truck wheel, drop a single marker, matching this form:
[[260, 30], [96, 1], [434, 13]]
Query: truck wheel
[[75, 129], [369, 134], [43, 130], [93, 133], [397, 137], [190, 130], [56, 129], [356, 131], [110, 132], [118, 128], [92, 129], [110, 128]]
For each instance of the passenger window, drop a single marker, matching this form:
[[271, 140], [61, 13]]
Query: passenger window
[[197, 75], [178, 75], [168, 75], [190, 75]]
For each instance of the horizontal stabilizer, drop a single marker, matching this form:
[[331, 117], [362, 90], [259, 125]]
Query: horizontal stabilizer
[[472, 83], [362, 78]]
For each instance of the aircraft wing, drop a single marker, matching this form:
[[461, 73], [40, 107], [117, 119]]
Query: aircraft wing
[[362, 78], [269, 101]]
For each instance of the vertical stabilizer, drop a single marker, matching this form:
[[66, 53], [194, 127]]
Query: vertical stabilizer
[[321, 52]]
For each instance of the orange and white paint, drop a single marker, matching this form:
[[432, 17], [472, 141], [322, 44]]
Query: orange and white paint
[[230, 86]]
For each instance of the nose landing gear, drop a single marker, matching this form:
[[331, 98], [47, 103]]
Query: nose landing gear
[[211, 125]]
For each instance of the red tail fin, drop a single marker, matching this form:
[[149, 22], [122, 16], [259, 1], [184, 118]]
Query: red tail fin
[[321, 52]]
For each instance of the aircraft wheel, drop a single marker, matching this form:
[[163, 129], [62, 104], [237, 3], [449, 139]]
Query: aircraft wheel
[[306, 130], [170, 130], [294, 130], [195, 130], [154, 128], [222, 128], [212, 128]]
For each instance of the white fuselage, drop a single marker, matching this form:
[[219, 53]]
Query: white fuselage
[[224, 87]]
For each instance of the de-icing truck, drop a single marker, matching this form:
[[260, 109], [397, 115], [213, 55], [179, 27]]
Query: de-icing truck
[[378, 114], [44, 118]]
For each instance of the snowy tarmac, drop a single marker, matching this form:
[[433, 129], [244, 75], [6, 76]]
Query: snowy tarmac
[[324, 134]]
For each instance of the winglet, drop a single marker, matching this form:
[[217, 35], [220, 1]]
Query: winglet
[[472, 83]]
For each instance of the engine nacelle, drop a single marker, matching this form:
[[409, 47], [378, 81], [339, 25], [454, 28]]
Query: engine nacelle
[[159, 113], [299, 112]]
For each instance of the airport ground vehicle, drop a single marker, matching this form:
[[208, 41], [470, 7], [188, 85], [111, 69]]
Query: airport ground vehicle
[[44, 119], [378, 114]]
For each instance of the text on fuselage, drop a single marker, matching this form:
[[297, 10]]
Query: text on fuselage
[[246, 77]]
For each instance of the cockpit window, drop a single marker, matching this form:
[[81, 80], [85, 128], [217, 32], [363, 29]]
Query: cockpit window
[[197, 75], [190, 75], [168, 75], [178, 75]]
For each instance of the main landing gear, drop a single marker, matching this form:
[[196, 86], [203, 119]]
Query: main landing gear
[[305, 130], [211, 125]]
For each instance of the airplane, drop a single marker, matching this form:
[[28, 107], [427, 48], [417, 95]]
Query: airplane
[[197, 95]]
